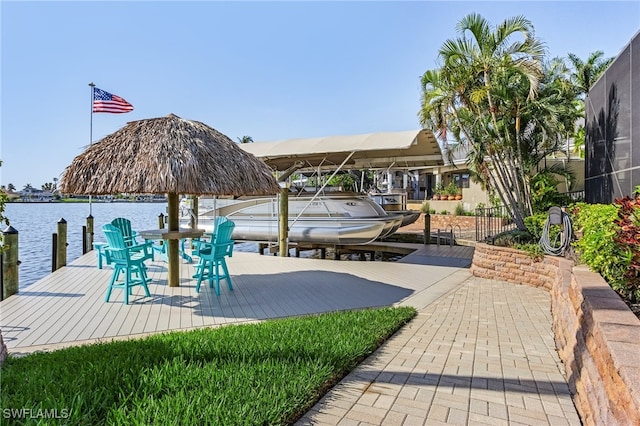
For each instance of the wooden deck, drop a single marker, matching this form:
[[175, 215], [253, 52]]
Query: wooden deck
[[443, 255], [67, 307]]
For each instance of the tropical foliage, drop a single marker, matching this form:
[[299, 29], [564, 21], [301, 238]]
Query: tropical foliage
[[610, 243], [245, 139], [49, 186], [627, 239], [495, 97], [544, 192], [596, 246], [344, 180], [583, 75], [452, 189]]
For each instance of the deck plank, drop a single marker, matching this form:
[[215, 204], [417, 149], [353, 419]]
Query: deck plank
[[68, 305]]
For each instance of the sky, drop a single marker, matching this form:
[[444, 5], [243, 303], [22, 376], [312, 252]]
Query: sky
[[268, 70]]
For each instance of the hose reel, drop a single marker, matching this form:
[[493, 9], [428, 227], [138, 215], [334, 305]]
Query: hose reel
[[562, 239]]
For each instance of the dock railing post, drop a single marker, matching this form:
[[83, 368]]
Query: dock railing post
[[54, 251], [61, 252], [427, 229], [89, 234], [10, 262], [161, 225], [84, 239]]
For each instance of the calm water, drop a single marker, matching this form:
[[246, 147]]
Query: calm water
[[36, 222]]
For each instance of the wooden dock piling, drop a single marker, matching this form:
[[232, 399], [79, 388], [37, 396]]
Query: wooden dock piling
[[61, 251], [10, 263], [89, 235]]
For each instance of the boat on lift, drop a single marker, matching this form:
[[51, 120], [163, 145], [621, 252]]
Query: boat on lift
[[338, 218]]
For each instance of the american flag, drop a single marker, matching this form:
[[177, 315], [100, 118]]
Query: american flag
[[106, 102]]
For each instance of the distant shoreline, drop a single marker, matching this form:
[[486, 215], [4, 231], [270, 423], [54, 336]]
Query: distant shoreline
[[83, 201]]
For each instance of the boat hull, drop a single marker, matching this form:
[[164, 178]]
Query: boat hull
[[321, 220], [310, 231]]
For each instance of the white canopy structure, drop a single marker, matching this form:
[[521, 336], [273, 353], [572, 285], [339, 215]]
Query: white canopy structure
[[413, 149]]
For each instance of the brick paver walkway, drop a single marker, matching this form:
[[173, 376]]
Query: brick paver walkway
[[482, 354]]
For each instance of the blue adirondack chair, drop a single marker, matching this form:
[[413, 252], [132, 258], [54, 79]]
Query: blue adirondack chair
[[127, 260], [124, 225], [213, 258], [205, 245]]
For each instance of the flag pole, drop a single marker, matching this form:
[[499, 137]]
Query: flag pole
[[91, 132]]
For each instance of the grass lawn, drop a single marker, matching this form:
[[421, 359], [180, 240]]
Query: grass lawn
[[269, 373]]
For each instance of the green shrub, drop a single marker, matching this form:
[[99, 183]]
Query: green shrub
[[596, 247], [452, 189], [513, 238], [532, 249], [346, 181], [535, 224], [444, 212], [426, 207], [459, 211], [544, 192]]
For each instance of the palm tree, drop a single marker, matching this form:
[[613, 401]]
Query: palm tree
[[245, 139], [480, 93], [583, 75], [11, 187]]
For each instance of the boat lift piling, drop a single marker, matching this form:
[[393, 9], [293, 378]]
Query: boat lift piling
[[283, 214], [283, 220]]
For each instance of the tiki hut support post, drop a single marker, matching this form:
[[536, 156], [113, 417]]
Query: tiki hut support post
[[193, 220], [174, 261]]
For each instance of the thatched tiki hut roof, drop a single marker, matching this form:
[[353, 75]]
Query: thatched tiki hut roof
[[167, 155]]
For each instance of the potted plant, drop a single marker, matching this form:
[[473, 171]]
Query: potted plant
[[439, 192], [452, 190]]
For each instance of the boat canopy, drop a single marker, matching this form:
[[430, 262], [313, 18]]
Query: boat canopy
[[413, 149]]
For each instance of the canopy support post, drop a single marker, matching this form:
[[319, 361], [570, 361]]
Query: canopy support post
[[283, 240]]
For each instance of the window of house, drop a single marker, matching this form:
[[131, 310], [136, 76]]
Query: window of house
[[461, 180], [465, 180]]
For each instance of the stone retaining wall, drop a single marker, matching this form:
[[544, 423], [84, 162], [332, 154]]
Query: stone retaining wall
[[596, 334], [443, 221]]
